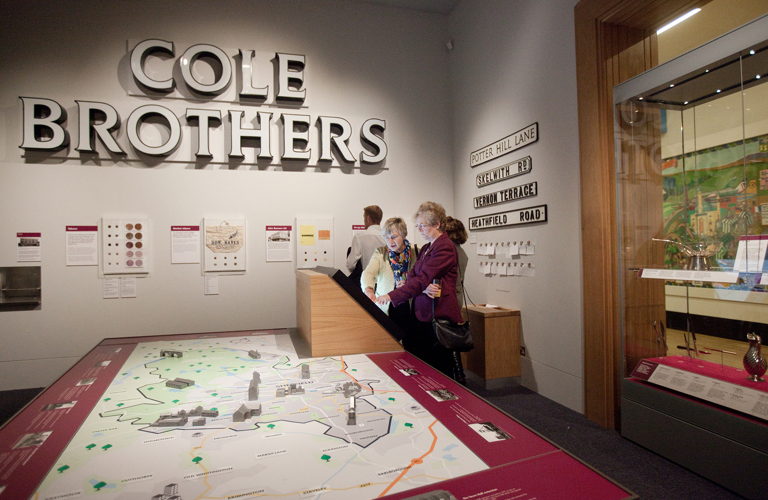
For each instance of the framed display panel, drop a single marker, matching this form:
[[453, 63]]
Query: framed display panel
[[692, 172], [314, 244], [224, 245], [125, 246]]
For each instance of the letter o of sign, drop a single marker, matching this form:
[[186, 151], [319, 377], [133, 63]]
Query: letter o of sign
[[191, 55], [134, 121]]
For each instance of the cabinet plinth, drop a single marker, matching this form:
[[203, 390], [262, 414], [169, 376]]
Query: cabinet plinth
[[496, 332]]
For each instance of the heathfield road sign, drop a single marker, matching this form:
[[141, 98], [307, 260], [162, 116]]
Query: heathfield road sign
[[512, 218]]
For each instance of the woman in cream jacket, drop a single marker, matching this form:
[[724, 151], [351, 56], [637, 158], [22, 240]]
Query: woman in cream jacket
[[388, 269]]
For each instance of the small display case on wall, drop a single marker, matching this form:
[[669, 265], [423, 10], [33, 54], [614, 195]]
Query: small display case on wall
[[692, 173], [125, 245], [225, 245], [20, 288]]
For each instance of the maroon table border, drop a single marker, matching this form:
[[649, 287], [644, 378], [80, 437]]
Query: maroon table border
[[527, 462]]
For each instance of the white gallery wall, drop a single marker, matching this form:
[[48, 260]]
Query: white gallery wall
[[514, 64], [363, 61]]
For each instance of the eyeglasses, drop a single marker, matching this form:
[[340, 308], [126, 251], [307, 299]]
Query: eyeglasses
[[422, 226]]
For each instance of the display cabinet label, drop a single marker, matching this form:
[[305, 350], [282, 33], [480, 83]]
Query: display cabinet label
[[711, 382], [512, 142], [689, 275], [506, 195], [511, 218]]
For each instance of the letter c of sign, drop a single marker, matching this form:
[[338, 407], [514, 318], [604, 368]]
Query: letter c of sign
[[139, 55]]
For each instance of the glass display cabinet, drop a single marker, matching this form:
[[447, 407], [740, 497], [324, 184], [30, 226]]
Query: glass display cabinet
[[691, 139]]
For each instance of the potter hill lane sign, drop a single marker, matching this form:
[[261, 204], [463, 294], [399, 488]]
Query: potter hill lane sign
[[504, 172], [511, 218], [512, 142], [505, 195]]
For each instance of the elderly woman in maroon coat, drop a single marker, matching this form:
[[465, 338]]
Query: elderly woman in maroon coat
[[436, 260]]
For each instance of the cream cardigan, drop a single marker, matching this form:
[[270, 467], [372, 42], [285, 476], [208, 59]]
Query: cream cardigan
[[379, 276]]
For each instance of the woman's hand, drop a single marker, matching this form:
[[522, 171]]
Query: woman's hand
[[400, 283], [432, 290], [383, 300], [370, 294]]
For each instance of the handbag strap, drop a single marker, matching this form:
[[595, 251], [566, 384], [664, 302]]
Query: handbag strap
[[461, 277], [463, 290]]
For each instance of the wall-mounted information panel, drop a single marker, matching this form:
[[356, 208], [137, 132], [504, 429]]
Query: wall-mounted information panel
[[224, 249], [125, 245], [314, 245]]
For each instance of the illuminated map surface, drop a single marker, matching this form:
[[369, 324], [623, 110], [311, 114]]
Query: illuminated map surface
[[300, 446]]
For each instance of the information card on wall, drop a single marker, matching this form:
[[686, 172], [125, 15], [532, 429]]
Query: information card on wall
[[314, 246], [279, 246], [28, 247], [124, 245], [750, 254], [82, 245], [224, 245], [185, 244]]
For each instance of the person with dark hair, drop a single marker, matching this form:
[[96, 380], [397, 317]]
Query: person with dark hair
[[365, 243], [456, 232], [388, 269], [437, 260]]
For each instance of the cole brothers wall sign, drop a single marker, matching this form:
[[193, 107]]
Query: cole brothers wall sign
[[218, 117]]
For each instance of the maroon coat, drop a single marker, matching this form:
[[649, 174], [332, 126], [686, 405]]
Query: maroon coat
[[436, 260]]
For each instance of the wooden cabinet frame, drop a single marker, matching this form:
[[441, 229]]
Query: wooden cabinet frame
[[615, 40]]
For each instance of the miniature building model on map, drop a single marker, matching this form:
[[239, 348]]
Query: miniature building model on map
[[179, 383], [181, 418], [169, 353], [295, 389], [243, 413], [352, 413], [253, 388], [254, 354], [170, 492]]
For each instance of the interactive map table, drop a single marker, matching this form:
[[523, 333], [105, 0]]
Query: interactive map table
[[242, 415]]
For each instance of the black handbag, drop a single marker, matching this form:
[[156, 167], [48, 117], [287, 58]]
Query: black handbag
[[453, 336]]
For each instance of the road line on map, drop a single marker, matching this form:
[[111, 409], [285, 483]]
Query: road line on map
[[414, 461]]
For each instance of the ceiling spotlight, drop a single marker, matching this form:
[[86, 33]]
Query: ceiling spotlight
[[718, 91], [757, 77], [752, 52], [686, 102], [671, 85], [642, 98], [677, 21]]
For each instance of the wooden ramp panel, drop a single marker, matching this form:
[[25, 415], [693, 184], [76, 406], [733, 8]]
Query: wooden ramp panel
[[332, 323]]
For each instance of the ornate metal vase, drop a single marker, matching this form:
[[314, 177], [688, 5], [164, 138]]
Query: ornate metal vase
[[754, 362]]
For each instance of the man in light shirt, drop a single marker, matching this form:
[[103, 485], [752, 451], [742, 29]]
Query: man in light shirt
[[365, 243]]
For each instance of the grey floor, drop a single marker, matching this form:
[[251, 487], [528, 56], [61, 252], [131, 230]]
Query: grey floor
[[634, 467], [645, 473]]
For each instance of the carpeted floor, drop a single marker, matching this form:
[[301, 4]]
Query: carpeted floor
[[634, 467]]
